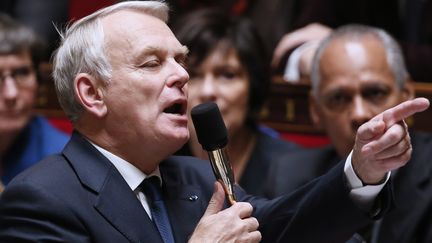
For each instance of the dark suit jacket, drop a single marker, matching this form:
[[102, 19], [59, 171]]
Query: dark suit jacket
[[406, 222], [79, 196], [267, 149]]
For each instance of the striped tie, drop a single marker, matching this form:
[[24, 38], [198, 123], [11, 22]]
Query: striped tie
[[152, 190]]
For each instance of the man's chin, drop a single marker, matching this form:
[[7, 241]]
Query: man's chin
[[179, 137], [184, 139]]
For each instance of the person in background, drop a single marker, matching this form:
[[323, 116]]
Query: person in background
[[40, 17], [227, 65], [408, 21], [125, 90], [357, 73], [26, 138], [271, 18]]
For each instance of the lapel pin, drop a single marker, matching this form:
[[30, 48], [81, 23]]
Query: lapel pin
[[193, 198]]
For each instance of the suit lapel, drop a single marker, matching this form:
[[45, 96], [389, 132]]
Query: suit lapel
[[185, 206], [186, 202], [412, 195], [115, 201], [409, 202], [119, 205]]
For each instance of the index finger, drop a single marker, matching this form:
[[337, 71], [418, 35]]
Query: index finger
[[286, 43], [243, 209], [402, 111]]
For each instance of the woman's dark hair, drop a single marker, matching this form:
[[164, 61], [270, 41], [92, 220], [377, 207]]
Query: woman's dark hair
[[201, 31], [16, 38]]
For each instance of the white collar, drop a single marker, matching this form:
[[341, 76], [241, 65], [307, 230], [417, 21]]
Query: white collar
[[132, 175]]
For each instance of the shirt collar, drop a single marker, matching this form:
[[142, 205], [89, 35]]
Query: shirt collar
[[132, 175]]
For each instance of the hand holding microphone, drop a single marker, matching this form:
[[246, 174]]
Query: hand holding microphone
[[212, 135]]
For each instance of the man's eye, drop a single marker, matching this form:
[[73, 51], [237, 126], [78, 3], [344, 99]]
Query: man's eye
[[151, 64], [375, 94], [338, 101]]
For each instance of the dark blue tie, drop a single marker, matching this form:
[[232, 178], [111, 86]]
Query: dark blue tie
[[152, 190]]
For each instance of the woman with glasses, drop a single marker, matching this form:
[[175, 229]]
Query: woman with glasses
[[25, 137]]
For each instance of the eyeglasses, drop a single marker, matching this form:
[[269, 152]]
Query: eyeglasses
[[21, 76]]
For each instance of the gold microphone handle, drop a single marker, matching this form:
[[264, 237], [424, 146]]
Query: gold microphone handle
[[223, 172]]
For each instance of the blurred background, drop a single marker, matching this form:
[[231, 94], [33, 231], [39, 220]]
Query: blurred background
[[286, 109]]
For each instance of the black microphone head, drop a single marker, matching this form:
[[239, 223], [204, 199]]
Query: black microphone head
[[209, 126]]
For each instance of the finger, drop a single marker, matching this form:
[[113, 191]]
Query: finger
[[394, 150], [403, 110], [288, 42], [391, 136], [244, 209], [217, 200], [254, 236], [252, 223], [280, 50], [370, 130], [277, 56], [396, 161]]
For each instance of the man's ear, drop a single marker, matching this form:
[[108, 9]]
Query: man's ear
[[408, 92], [90, 94], [314, 110]]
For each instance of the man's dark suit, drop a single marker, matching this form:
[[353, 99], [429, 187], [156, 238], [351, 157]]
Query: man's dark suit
[[79, 196], [406, 222]]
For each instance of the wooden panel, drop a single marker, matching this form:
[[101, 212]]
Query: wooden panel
[[422, 121], [287, 108], [47, 102]]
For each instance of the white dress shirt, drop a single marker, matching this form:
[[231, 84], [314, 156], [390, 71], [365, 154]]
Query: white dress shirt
[[132, 175], [362, 195]]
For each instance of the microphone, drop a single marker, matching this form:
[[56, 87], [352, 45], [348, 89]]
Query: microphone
[[212, 135]]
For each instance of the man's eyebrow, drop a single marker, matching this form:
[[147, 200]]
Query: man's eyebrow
[[336, 90], [150, 50], [145, 51]]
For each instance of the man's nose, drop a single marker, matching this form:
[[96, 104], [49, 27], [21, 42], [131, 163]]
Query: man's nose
[[360, 112], [180, 76]]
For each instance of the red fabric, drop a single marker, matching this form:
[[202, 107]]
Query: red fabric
[[62, 124], [81, 8], [239, 7], [308, 141]]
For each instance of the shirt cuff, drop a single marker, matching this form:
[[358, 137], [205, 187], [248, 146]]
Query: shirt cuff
[[363, 196]]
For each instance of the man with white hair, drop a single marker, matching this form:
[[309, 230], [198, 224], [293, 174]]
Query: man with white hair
[[359, 72]]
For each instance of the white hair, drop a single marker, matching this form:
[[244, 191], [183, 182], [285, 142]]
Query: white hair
[[393, 52], [82, 51]]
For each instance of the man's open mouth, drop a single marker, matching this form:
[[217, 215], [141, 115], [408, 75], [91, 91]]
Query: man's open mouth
[[178, 108]]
